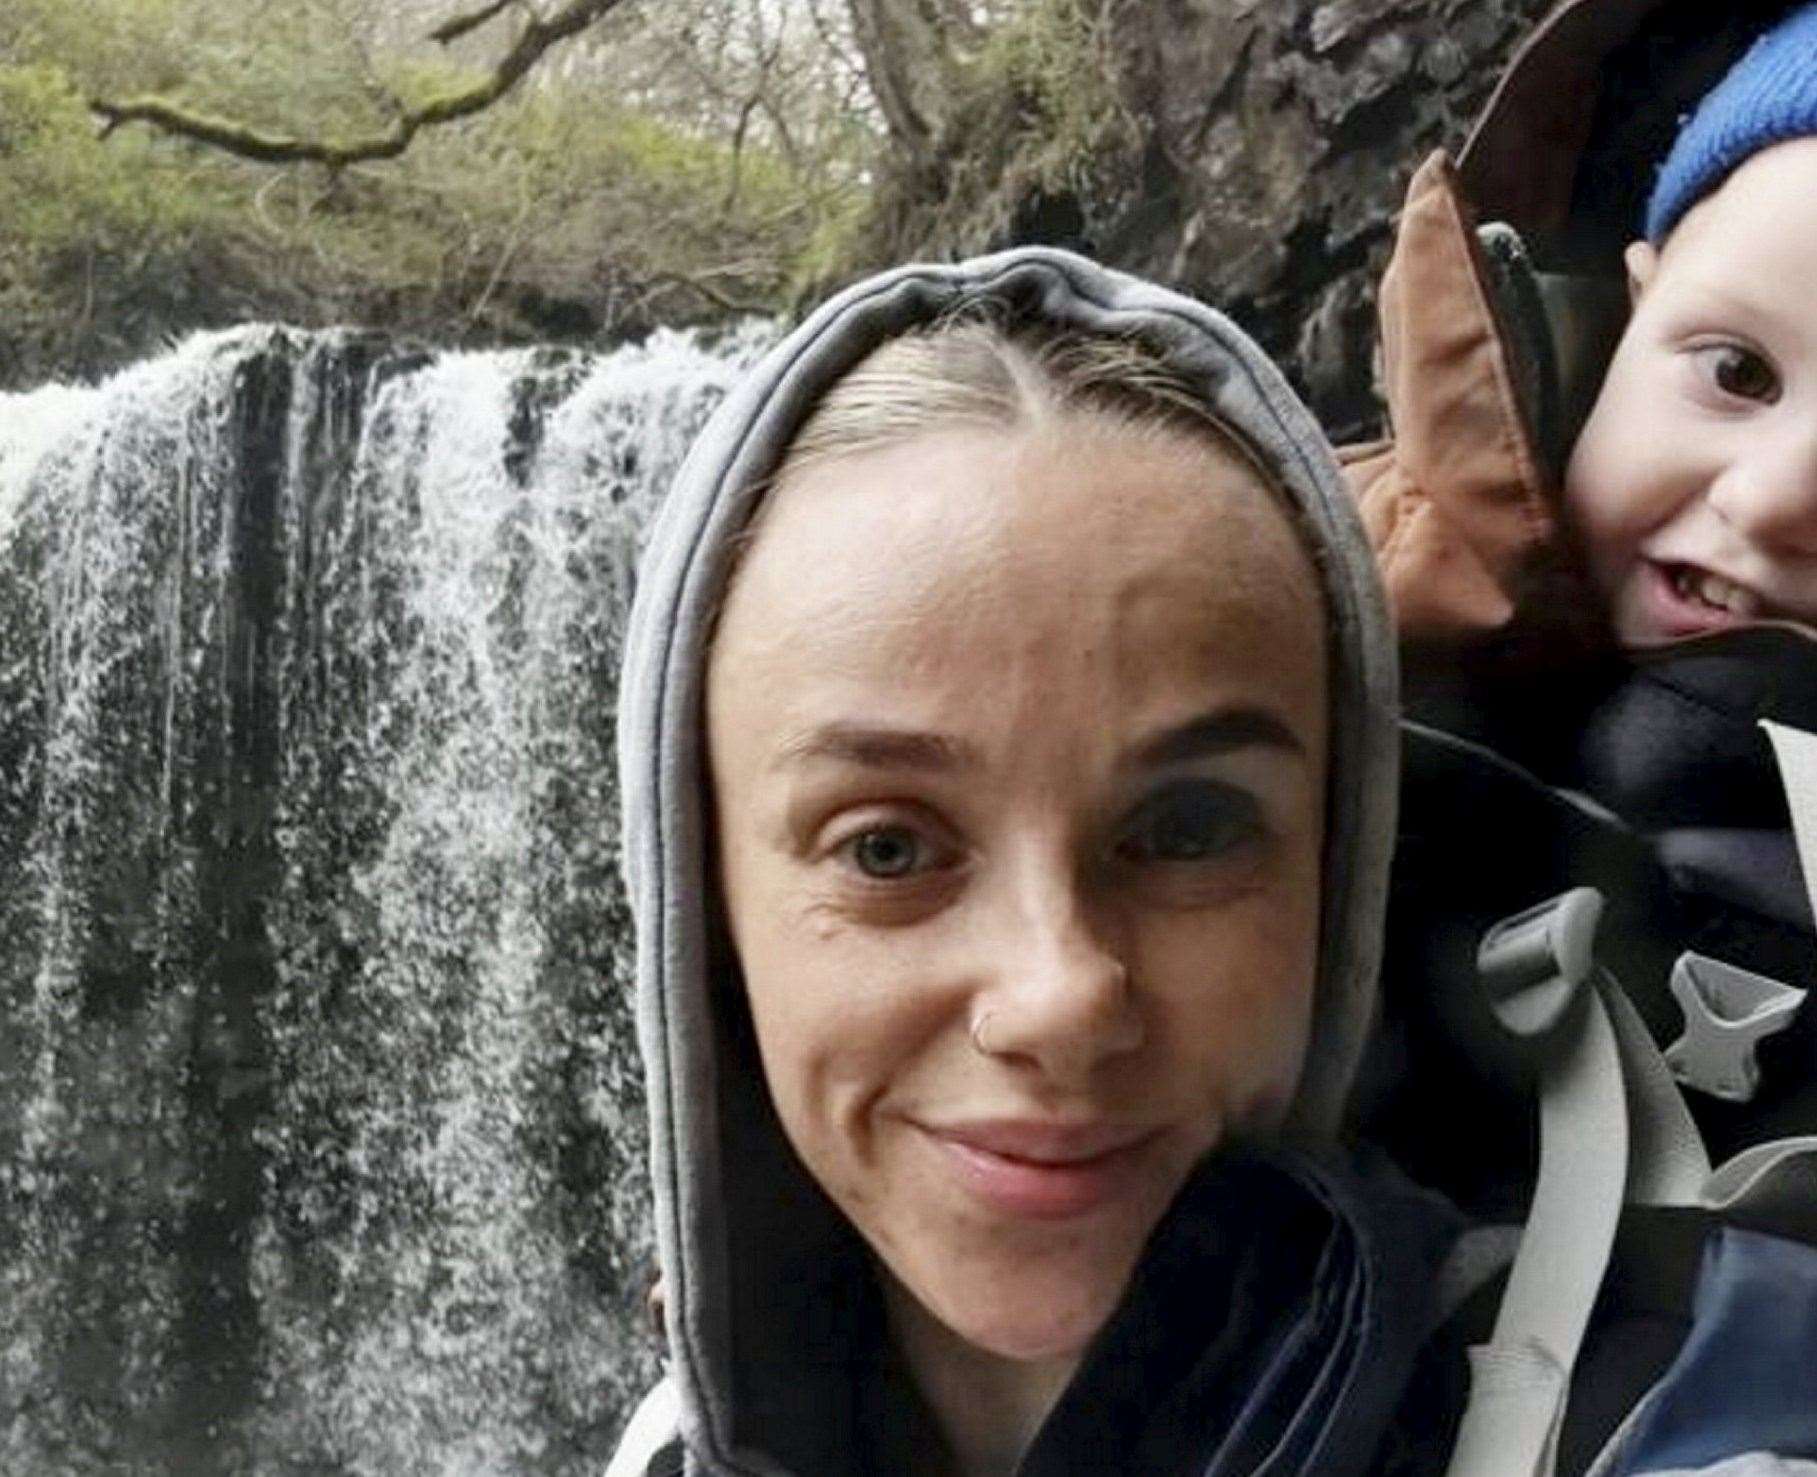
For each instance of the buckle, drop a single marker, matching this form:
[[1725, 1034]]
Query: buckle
[[1728, 1013], [1535, 964]]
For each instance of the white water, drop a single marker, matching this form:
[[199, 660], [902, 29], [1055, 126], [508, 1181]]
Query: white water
[[320, 1124]]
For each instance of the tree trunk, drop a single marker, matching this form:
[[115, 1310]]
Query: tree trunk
[[911, 49]]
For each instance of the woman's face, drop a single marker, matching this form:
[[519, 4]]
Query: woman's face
[[1018, 748]]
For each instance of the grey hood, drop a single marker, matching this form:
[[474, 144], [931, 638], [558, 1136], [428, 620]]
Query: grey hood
[[738, 1230]]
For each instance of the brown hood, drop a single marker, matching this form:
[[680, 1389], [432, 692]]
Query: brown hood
[[1491, 358], [1566, 150]]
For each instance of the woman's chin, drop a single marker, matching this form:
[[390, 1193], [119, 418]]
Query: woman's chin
[[1024, 1288], [1020, 1344], [1026, 1319]]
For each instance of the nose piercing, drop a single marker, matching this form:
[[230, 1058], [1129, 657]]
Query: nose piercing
[[978, 1034]]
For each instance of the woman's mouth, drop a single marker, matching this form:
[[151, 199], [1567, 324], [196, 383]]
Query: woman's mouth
[[1042, 1171]]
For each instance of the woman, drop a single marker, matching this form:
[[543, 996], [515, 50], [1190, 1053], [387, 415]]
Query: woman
[[1008, 758]]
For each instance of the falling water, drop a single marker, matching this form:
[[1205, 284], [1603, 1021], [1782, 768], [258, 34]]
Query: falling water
[[320, 1123]]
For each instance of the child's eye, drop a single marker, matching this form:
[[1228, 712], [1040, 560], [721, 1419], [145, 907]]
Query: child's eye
[[1191, 821], [1740, 371]]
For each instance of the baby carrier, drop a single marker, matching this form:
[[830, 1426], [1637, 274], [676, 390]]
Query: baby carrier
[[1597, 985], [1660, 1316]]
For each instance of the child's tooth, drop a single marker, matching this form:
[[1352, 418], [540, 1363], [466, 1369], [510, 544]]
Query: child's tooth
[[1724, 594], [1706, 588]]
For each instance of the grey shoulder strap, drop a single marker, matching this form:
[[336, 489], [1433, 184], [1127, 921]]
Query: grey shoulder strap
[[1612, 1128], [1796, 752]]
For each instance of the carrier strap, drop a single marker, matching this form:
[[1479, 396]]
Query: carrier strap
[[650, 1445], [1796, 752], [1667, 1161], [1612, 1128]]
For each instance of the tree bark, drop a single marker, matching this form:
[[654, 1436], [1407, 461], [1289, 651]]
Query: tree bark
[[457, 26], [911, 51]]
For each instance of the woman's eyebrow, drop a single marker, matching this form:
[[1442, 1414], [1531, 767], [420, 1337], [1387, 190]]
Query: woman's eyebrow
[[876, 747], [1215, 733], [872, 746]]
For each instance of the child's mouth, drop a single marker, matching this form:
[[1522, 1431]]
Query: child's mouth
[[1679, 600], [1701, 587]]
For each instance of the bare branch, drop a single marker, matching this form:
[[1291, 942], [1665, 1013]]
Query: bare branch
[[456, 27], [910, 50], [697, 283], [513, 243], [537, 36]]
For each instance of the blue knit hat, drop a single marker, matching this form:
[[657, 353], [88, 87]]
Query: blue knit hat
[[1767, 97]]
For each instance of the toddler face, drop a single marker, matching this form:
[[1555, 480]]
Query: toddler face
[[1694, 484]]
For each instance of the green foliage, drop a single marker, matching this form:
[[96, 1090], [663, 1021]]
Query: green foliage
[[1046, 68], [101, 44], [574, 207], [417, 81], [840, 239], [82, 215]]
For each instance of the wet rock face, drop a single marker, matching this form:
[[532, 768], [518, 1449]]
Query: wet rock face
[[1277, 139], [321, 1125]]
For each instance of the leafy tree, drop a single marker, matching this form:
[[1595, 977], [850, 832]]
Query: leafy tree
[[504, 172]]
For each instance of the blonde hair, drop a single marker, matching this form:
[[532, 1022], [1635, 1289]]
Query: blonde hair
[[977, 370], [973, 368]]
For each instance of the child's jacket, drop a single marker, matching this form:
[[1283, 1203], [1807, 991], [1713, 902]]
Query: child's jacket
[[1490, 365]]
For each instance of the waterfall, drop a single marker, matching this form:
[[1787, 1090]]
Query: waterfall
[[321, 1128]]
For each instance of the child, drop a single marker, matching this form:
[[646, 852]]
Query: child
[[1604, 571], [1693, 486], [1613, 608], [1462, 508]]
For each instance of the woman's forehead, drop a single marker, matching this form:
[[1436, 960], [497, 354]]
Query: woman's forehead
[[1026, 504], [1148, 567]]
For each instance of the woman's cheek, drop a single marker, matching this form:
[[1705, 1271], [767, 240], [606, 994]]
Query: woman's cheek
[[1238, 984]]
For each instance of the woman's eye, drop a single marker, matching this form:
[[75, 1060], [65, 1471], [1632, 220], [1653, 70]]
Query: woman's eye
[[1741, 372], [1191, 822], [888, 852]]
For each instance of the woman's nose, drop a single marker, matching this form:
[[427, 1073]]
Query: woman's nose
[[1060, 997], [1770, 495]]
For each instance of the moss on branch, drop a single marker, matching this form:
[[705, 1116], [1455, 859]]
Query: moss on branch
[[537, 36]]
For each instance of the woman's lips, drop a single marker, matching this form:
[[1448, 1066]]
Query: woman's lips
[[1043, 1171]]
